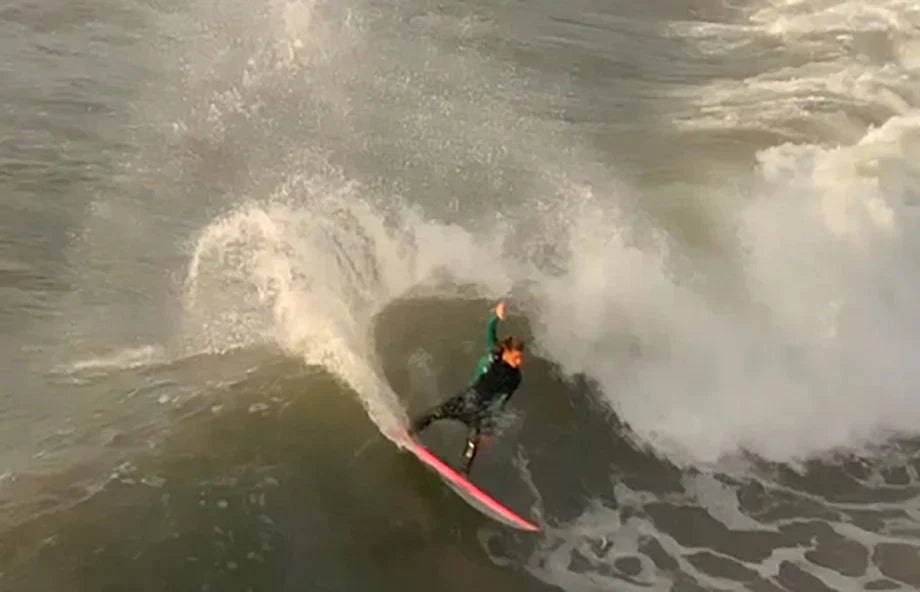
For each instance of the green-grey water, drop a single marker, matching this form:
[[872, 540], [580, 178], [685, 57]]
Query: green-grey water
[[239, 242]]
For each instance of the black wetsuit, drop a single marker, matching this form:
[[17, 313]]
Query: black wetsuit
[[494, 383]]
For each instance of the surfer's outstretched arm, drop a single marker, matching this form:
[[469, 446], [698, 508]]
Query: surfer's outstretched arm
[[492, 326], [491, 340]]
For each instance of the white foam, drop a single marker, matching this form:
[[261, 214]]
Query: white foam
[[840, 54], [599, 537], [127, 358], [802, 17]]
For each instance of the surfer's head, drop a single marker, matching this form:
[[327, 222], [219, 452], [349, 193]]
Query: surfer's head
[[512, 350]]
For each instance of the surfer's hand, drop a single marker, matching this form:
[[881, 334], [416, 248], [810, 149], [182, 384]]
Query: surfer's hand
[[500, 310]]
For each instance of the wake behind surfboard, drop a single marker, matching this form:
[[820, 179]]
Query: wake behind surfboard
[[467, 490]]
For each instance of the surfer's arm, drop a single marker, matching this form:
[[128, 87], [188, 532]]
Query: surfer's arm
[[492, 331], [492, 325], [491, 340]]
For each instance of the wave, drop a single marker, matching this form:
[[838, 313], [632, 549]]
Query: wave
[[800, 342]]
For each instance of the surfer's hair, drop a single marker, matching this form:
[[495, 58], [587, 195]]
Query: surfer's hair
[[511, 343]]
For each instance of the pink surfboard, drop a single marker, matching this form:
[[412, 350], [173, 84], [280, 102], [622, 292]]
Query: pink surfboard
[[465, 489]]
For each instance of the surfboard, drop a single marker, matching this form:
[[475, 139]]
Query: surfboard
[[463, 487]]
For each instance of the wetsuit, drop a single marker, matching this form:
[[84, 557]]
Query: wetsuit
[[493, 384]]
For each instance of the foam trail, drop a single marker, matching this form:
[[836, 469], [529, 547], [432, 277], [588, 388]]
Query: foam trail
[[309, 269]]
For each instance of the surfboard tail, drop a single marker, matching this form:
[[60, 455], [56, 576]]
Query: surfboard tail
[[468, 491]]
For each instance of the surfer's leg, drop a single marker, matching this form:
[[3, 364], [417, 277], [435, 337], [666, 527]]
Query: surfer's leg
[[421, 422], [472, 446], [446, 410], [425, 420]]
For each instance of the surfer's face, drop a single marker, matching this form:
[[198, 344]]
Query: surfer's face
[[512, 357]]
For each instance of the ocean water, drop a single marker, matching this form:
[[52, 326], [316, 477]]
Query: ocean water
[[242, 241]]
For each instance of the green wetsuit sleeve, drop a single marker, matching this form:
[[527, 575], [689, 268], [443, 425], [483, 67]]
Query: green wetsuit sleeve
[[492, 331], [491, 340]]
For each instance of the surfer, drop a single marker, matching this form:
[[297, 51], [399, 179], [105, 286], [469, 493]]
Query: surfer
[[496, 378]]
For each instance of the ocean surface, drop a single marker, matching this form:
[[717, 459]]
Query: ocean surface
[[241, 241]]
